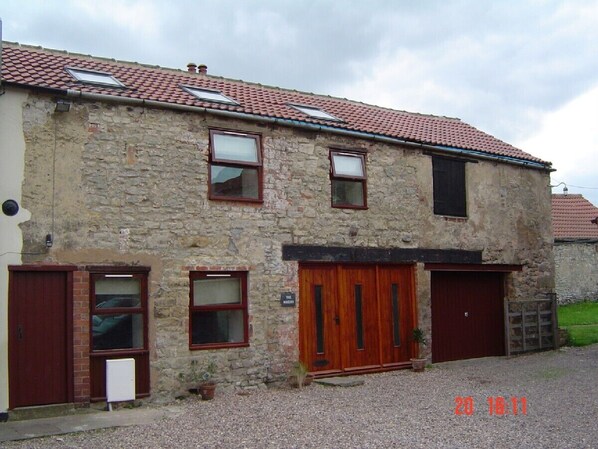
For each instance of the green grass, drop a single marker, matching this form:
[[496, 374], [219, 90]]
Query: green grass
[[581, 320]]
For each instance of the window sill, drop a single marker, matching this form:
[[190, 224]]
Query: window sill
[[218, 346], [349, 207], [453, 218], [236, 200]]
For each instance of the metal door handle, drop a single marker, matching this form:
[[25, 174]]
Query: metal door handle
[[466, 314]]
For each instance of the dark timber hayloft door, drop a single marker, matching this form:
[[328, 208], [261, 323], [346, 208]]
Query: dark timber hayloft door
[[467, 315], [40, 364], [355, 317]]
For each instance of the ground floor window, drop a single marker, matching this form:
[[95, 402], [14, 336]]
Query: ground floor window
[[218, 309]]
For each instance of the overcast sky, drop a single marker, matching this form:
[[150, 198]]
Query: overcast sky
[[525, 71]]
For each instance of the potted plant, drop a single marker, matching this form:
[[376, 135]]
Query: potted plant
[[419, 363], [201, 380], [207, 386], [299, 375]]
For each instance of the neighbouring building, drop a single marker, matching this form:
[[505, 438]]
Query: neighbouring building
[[175, 216], [575, 228]]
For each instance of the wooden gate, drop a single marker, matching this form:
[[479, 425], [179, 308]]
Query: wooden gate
[[531, 325], [355, 317], [40, 337]]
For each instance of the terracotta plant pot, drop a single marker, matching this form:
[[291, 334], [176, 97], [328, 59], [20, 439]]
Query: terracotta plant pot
[[207, 391], [418, 365]]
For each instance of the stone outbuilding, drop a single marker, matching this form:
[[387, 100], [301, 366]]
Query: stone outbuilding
[[575, 227], [175, 218]]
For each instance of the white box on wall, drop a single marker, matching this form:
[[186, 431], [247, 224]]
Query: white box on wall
[[120, 380]]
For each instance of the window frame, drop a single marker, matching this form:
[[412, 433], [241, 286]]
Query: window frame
[[196, 92], [334, 176], [242, 305], [76, 73], [107, 273], [258, 165], [323, 115], [449, 186]]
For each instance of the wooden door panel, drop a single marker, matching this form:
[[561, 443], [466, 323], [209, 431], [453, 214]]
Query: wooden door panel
[[319, 321], [396, 313], [358, 307], [467, 315], [38, 367]]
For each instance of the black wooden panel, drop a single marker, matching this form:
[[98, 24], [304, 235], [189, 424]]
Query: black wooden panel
[[315, 253]]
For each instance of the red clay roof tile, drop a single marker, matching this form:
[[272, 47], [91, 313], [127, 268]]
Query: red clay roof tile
[[572, 217], [38, 67]]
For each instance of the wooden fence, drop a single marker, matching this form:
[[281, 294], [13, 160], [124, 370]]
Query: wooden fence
[[531, 325]]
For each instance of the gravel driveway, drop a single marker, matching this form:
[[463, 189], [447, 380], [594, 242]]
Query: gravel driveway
[[395, 409]]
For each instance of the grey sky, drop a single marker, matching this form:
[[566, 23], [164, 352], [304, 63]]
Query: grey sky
[[502, 66]]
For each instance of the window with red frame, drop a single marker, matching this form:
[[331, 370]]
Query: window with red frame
[[235, 171], [218, 309], [348, 179]]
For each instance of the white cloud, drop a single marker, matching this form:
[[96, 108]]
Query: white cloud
[[568, 137]]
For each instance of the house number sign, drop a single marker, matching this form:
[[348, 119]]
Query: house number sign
[[287, 299]]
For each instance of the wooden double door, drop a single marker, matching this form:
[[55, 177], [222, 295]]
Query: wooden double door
[[355, 317]]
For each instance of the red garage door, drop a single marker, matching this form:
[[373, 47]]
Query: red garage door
[[467, 315]]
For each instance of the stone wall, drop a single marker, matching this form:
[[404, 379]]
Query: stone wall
[[576, 271], [130, 186]]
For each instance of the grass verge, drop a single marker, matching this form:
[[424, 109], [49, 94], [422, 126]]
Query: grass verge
[[581, 321]]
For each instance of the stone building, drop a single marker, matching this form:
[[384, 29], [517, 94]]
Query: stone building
[[575, 227], [174, 216]]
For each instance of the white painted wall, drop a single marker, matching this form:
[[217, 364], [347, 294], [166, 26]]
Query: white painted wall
[[12, 167]]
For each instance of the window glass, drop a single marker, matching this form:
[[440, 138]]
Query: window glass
[[216, 291], [117, 292], [117, 331], [345, 165], [222, 326], [234, 182], [235, 148], [347, 193]]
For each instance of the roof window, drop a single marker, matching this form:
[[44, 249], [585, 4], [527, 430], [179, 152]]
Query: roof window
[[93, 77], [209, 95], [315, 112]]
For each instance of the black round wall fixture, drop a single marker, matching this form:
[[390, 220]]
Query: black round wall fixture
[[10, 207]]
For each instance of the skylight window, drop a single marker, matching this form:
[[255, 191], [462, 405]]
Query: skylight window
[[209, 95], [93, 77], [315, 113]]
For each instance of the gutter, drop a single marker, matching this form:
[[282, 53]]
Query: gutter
[[72, 93]]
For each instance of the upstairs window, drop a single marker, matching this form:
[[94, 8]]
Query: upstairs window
[[218, 309], [94, 77], [315, 113], [449, 187], [209, 95], [235, 171], [348, 179]]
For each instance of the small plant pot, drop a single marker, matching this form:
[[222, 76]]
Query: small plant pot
[[207, 391], [418, 365]]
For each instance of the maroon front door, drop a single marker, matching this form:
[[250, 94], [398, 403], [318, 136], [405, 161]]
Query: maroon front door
[[39, 338]]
